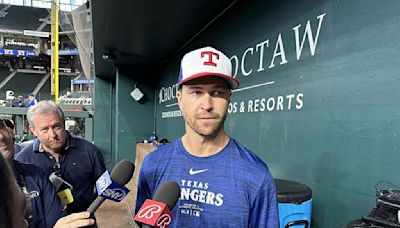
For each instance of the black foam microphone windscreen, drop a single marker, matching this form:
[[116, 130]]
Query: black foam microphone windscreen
[[121, 174], [59, 183], [168, 193]]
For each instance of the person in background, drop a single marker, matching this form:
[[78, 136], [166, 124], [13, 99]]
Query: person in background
[[223, 184], [12, 200], [10, 124], [13, 102], [13, 204], [32, 100], [19, 102], [43, 207], [74, 159]]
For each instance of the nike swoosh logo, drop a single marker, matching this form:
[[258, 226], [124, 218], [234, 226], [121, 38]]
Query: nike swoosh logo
[[193, 172]]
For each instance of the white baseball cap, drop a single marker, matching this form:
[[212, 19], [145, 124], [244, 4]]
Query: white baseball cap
[[206, 61]]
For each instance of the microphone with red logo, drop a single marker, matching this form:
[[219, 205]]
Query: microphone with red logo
[[113, 184], [157, 212]]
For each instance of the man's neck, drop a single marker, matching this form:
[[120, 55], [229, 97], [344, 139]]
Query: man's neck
[[201, 146], [54, 153]]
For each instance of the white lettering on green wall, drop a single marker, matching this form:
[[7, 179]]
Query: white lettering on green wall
[[167, 94], [279, 53], [267, 54]]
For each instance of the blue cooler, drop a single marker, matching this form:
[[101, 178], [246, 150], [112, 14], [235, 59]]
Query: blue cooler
[[294, 203]]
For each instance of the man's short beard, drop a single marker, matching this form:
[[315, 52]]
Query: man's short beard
[[214, 132]]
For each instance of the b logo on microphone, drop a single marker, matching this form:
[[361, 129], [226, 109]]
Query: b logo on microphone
[[163, 221], [155, 214], [149, 211]]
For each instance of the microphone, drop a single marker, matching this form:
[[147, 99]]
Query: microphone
[[156, 212], [58, 182], [109, 189], [110, 186], [63, 189]]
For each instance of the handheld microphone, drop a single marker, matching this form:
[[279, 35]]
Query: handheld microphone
[[63, 189], [156, 212], [120, 176], [58, 182], [109, 189]]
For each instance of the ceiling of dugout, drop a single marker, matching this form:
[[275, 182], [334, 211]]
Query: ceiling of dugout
[[142, 35]]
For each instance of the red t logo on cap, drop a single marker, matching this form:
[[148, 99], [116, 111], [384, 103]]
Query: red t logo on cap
[[210, 57]]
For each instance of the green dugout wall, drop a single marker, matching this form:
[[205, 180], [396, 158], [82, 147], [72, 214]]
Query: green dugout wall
[[319, 84], [317, 100], [119, 121]]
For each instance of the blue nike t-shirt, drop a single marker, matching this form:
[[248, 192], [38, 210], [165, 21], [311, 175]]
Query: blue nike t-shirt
[[232, 188]]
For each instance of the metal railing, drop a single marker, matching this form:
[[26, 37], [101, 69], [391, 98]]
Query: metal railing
[[18, 115]]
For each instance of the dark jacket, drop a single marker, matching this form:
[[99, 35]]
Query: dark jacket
[[81, 164], [45, 203]]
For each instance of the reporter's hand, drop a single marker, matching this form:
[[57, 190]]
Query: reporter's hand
[[75, 220]]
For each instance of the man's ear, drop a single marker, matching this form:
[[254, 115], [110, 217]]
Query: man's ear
[[33, 131], [179, 97]]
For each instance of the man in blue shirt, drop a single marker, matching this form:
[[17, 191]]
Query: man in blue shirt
[[74, 159], [19, 102], [223, 184], [43, 206], [32, 100]]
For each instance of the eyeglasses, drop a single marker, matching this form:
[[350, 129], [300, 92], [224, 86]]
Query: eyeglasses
[[6, 123], [7, 126], [4, 128], [3, 124]]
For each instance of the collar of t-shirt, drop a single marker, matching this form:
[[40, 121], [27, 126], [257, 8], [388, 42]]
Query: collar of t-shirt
[[219, 155], [56, 164]]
